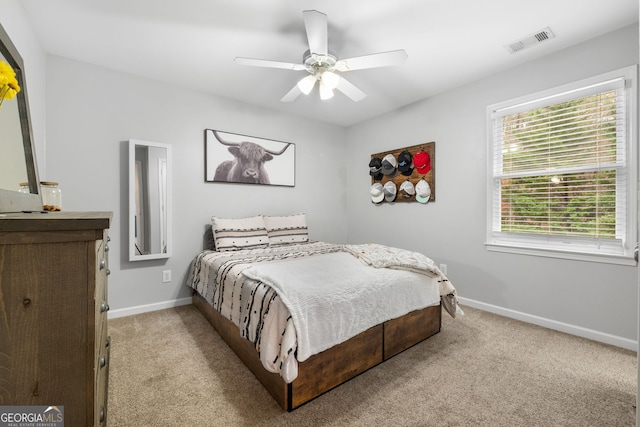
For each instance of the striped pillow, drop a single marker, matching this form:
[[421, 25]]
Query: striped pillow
[[287, 229], [241, 233]]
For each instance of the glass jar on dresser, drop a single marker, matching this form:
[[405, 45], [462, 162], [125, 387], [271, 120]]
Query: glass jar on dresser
[[53, 287]]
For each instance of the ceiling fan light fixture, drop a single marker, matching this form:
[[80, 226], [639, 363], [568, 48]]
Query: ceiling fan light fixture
[[325, 91], [330, 79], [322, 64], [306, 84]]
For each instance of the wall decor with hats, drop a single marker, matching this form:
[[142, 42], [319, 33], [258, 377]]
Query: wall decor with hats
[[404, 175]]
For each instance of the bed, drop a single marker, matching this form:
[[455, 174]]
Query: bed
[[307, 316]]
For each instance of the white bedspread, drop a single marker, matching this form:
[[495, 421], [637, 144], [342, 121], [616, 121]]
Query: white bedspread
[[380, 256], [326, 310]]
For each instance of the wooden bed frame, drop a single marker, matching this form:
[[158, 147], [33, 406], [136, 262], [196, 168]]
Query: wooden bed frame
[[324, 371]]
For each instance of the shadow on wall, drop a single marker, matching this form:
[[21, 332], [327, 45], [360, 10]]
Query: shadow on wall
[[475, 283], [207, 238]]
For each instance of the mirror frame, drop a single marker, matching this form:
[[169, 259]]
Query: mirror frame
[[15, 201], [132, 202]]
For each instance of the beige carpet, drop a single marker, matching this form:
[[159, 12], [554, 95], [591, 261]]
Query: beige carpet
[[170, 368]]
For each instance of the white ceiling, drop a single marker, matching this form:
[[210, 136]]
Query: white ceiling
[[192, 43]]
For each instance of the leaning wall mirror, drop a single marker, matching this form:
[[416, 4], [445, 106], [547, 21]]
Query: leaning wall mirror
[[149, 200], [17, 153]]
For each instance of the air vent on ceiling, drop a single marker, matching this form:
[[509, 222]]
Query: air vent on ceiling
[[531, 40]]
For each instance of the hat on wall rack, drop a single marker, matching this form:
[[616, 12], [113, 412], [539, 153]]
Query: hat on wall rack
[[407, 189], [390, 191], [389, 165], [375, 168], [422, 162], [423, 191], [405, 163], [377, 192]]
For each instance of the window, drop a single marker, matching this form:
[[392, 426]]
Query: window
[[562, 171]]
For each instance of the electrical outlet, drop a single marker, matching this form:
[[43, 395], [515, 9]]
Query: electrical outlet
[[443, 268], [166, 276]]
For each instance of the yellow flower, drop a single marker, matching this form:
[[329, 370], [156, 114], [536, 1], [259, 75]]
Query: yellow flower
[[9, 86]]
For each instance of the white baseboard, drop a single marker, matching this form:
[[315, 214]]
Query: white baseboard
[[130, 311], [555, 325]]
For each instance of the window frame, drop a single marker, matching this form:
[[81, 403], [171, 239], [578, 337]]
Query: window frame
[[617, 251]]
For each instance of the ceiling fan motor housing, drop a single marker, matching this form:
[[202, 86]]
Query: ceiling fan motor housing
[[317, 64]]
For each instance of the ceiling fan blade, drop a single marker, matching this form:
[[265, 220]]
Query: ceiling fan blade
[[350, 90], [382, 59], [316, 25], [269, 64], [292, 94]]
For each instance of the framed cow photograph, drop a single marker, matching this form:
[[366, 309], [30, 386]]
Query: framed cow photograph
[[231, 157]]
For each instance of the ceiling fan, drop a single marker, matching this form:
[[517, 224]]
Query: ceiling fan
[[323, 66]]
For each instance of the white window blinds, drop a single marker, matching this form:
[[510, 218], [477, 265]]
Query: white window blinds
[[559, 170]]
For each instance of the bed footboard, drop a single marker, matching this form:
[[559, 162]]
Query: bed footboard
[[324, 371]]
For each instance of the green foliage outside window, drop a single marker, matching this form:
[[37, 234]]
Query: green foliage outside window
[[558, 174]]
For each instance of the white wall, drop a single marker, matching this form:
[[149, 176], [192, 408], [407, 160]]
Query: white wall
[[599, 297], [93, 111]]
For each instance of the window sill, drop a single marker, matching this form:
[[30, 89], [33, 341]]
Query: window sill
[[554, 253]]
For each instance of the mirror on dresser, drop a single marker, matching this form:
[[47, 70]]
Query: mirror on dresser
[[17, 153], [149, 200]]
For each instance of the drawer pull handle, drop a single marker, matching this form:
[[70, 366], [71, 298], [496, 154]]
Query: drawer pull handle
[[102, 414], [104, 307], [108, 272], [102, 361], [107, 342], [103, 263], [106, 248]]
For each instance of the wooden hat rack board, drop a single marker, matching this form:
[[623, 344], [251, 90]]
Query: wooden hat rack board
[[404, 175]]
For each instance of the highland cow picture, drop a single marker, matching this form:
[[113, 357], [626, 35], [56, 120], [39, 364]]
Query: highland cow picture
[[231, 157]]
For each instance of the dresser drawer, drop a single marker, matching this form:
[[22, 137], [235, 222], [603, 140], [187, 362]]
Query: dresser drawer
[[102, 384], [102, 345], [102, 271], [101, 295], [102, 348]]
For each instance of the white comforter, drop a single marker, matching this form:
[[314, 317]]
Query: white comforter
[[381, 256], [326, 309]]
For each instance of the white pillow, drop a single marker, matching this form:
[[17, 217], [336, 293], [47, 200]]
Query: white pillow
[[241, 233], [287, 229]]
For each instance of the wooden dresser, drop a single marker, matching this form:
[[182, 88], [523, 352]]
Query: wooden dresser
[[54, 346]]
